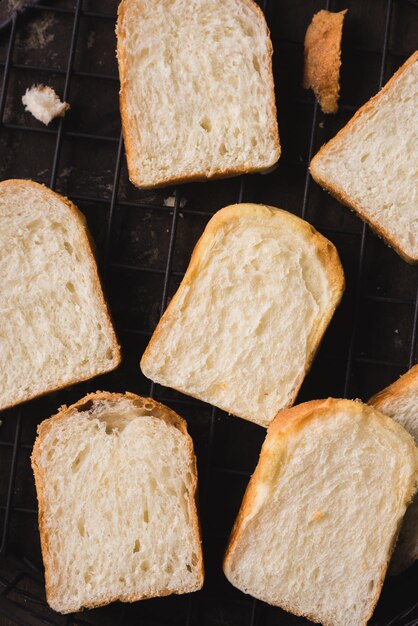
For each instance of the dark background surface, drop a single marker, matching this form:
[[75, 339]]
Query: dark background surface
[[144, 240]]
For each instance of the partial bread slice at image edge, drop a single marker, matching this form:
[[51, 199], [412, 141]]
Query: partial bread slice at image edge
[[400, 401], [301, 539], [215, 273], [79, 253], [116, 411], [134, 129], [338, 192]]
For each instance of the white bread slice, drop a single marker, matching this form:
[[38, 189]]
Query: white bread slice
[[322, 53], [371, 164], [320, 515], [116, 480], [400, 401], [244, 326], [55, 327], [197, 94]]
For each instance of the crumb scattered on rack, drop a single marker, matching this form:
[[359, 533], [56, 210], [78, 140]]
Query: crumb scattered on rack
[[43, 103], [170, 202]]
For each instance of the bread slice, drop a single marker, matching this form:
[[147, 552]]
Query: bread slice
[[116, 480], [323, 58], [320, 515], [247, 319], [197, 94], [400, 401], [55, 328], [371, 164]]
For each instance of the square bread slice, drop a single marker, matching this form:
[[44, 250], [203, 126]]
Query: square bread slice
[[116, 481], [197, 94], [371, 165], [55, 326], [320, 516], [400, 401], [244, 326]]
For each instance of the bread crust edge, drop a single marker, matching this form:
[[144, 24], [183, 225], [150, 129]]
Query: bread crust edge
[[338, 193], [321, 71], [396, 389], [170, 417]]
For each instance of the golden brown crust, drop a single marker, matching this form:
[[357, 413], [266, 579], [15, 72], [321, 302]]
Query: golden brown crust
[[405, 383], [164, 413], [326, 252], [397, 389], [130, 139], [338, 193], [286, 424], [87, 242], [323, 58]]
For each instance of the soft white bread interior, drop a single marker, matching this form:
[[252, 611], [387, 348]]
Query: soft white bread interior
[[320, 516], [400, 401], [55, 327], [43, 103], [371, 164], [116, 480], [197, 94], [247, 319]]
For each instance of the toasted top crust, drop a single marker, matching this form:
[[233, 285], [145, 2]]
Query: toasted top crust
[[326, 250], [159, 410], [408, 381], [323, 58]]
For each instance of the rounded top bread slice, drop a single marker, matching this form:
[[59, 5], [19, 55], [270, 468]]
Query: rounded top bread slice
[[371, 164], [197, 94], [116, 482], [400, 401], [244, 326], [56, 329], [321, 513]]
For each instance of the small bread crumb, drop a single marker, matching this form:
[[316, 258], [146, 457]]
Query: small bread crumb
[[43, 103], [323, 58]]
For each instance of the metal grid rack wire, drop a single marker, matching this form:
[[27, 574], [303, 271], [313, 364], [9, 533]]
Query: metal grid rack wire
[[21, 594]]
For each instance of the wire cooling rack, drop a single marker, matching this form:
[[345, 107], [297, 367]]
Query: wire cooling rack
[[144, 240]]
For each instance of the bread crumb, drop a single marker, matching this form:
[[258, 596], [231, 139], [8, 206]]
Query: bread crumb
[[317, 516], [171, 200], [43, 103], [323, 58]]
